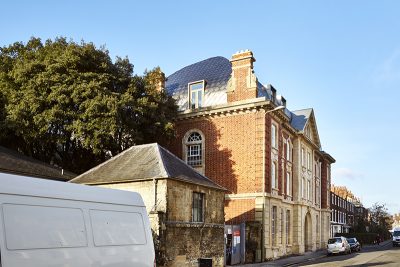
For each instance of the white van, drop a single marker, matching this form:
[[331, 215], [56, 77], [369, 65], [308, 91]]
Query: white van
[[396, 236], [47, 223]]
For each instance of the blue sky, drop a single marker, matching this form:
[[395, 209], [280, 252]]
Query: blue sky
[[341, 58]]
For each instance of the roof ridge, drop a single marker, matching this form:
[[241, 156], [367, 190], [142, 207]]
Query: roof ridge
[[187, 66], [105, 162], [19, 155], [187, 165], [161, 160], [302, 109]]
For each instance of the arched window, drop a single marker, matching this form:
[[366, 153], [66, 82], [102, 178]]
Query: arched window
[[194, 150]]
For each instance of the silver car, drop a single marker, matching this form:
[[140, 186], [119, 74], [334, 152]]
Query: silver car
[[338, 245]]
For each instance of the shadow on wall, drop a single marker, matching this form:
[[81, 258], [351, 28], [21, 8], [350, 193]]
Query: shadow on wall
[[217, 159]]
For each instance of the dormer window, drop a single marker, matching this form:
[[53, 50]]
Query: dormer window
[[196, 94]]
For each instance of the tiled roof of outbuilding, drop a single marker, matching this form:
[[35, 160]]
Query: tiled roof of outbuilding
[[143, 162], [16, 163]]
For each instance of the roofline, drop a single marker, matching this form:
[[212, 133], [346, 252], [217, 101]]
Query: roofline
[[107, 161], [205, 177], [328, 157], [28, 174], [43, 188], [156, 178]]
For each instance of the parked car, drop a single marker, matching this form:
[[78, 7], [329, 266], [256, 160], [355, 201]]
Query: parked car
[[354, 244], [338, 245]]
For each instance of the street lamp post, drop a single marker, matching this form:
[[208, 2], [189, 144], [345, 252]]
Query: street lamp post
[[275, 109]]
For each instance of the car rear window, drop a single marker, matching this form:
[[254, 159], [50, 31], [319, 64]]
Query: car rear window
[[351, 240], [334, 240]]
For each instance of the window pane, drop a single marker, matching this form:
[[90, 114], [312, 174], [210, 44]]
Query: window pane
[[196, 95], [199, 99], [111, 228], [25, 227], [198, 199]]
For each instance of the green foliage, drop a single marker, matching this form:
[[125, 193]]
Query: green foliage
[[363, 238], [380, 220], [69, 104]]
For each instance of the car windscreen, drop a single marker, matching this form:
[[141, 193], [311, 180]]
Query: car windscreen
[[334, 240], [396, 233], [351, 240]]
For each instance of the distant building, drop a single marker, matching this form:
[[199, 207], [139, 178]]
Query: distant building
[[14, 162], [361, 217], [342, 215], [186, 209], [396, 220]]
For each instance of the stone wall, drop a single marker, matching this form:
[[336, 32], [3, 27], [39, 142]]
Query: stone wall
[[147, 190], [186, 241]]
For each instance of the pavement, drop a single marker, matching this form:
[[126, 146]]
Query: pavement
[[297, 259]]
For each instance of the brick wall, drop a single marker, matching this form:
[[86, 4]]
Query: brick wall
[[233, 149], [239, 210]]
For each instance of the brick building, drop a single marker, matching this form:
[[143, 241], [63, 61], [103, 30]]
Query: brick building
[[185, 208], [342, 215], [270, 161]]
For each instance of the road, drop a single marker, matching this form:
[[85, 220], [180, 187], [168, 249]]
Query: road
[[384, 255]]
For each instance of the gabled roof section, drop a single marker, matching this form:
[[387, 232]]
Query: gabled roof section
[[301, 119], [14, 162], [144, 162]]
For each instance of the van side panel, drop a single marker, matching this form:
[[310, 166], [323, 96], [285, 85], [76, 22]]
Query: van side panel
[[37, 227], [46, 232]]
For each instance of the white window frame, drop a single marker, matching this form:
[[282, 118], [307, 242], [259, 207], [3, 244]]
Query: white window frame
[[288, 239], [288, 184], [273, 224], [274, 175], [274, 136], [199, 93], [302, 157], [200, 144], [288, 150]]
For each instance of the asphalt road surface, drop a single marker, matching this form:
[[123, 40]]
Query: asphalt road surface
[[383, 255]]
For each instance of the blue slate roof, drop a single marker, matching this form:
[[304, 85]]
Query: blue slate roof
[[299, 118], [216, 72]]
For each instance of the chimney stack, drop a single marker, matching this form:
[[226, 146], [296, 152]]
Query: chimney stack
[[243, 82]]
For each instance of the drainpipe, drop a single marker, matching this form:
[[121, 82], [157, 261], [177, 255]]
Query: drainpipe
[[263, 194]]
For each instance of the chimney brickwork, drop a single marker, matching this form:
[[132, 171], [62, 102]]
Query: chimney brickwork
[[243, 82]]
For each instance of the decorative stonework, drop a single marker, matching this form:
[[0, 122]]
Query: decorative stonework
[[251, 79], [230, 87]]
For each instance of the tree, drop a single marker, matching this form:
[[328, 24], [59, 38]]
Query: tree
[[69, 104], [380, 220]]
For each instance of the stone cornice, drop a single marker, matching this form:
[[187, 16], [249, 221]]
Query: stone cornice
[[243, 106], [239, 107], [194, 224]]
